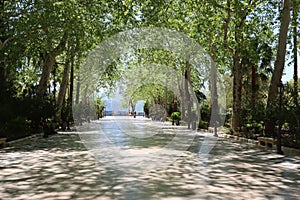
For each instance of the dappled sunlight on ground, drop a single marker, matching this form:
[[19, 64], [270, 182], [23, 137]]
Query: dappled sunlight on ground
[[60, 167]]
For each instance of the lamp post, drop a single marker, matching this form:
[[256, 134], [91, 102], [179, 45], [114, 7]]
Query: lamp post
[[280, 91]]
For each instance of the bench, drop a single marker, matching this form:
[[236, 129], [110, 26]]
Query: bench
[[2, 142], [266, 141]]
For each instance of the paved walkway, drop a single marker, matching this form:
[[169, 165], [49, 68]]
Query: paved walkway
[[70, 166]]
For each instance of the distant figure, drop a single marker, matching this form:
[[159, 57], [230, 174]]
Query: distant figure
[[134, 114]]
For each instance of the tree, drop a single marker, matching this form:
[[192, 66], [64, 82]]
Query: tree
[[43, 44], [224, 28], [279, 62], [39, 38], [295, 8]]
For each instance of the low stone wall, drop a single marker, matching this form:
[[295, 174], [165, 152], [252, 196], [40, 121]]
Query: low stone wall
[[2, 142], [286, 150], [28, 138], [241, 139]]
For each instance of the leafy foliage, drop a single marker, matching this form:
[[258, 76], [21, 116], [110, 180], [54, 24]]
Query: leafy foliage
[[39, 38]]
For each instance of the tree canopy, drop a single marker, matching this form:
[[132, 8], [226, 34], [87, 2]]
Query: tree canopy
[[44, 46]]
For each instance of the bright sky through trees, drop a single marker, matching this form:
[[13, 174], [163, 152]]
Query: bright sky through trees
[[289, 71]]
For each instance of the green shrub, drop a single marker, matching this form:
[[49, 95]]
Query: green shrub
[[203, 125], [175, 116], [17, 128]]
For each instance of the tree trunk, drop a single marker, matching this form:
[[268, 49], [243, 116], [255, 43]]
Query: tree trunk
[[237, 93], [295, 16], [77, 89], [166, 101], [174, 106], [54, 82], [71, 81], [215, 118], [63, 88], [49, 61], [182, 98], [187, 76], [253, 85], [3, 37], [279, 63], [71, 90], [85, 96]]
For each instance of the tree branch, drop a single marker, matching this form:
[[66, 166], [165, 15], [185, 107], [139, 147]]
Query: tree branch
[[3, 44], [252, 6], [227, 20], [60, 47]]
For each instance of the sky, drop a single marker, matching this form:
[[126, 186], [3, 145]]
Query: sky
[[289, 71]]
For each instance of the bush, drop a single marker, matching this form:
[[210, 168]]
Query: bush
[[175, 116], [203, 125], [205, 111], [17, 128], [227, 130]]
